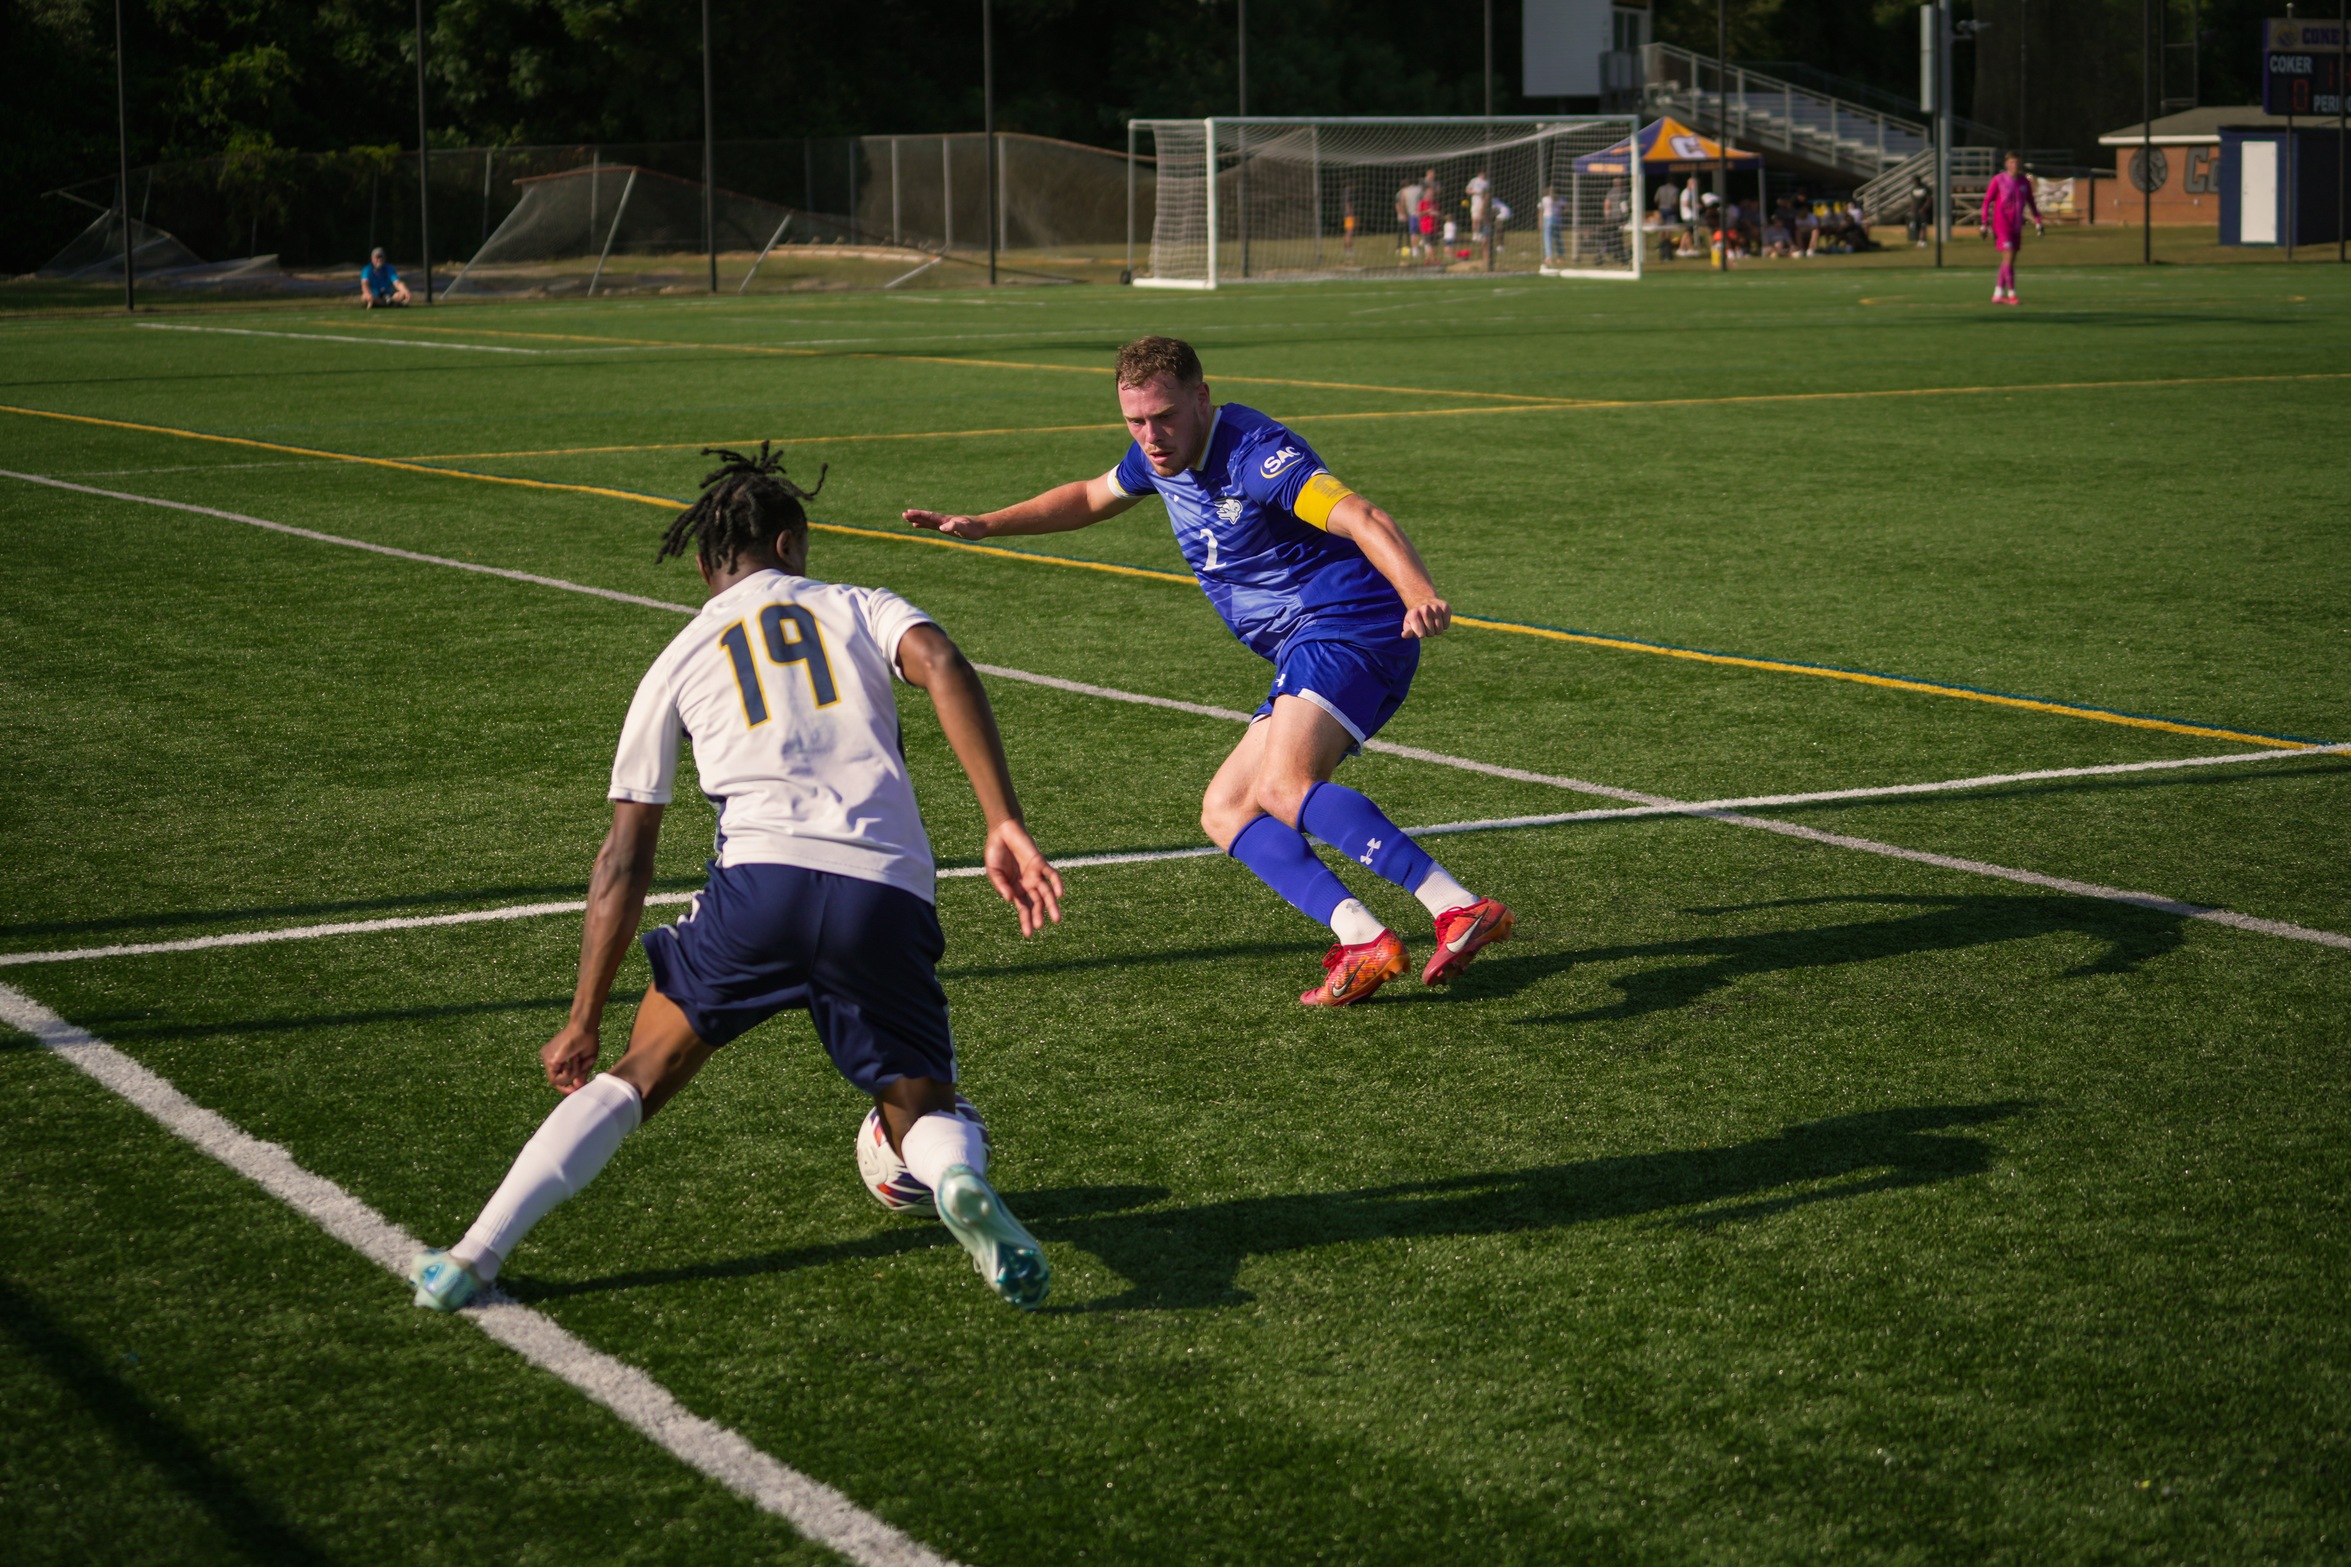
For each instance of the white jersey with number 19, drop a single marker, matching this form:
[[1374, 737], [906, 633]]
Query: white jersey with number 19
[[784, 685]]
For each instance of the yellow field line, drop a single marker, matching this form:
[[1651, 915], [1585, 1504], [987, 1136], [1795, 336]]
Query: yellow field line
[[1532, 399], [802, 440], [1591, 405], [638, 497], [1890, 682], [327, 456], [1546, 633]]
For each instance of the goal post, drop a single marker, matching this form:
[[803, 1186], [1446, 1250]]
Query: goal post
[[1293, 199]]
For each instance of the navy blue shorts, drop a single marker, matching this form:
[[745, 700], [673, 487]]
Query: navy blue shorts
[[859, 957], [1359, 684]]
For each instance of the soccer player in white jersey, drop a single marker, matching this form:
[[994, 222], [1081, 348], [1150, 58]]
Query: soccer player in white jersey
[[821, 885], [1322, 584]]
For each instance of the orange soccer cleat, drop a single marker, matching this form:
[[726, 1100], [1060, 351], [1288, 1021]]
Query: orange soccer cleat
[[1352, 973], [1462, 932]]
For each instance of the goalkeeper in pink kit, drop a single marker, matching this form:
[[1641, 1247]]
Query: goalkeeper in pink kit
[[2006, 201]]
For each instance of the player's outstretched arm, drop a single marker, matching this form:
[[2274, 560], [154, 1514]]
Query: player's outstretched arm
[[1066, 507], [616, 901], [1016, 867], [1391, 554]]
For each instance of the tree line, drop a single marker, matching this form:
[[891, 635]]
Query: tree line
[[208, 77]]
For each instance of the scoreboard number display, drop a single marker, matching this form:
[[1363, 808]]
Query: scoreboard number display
[[2302, 67]]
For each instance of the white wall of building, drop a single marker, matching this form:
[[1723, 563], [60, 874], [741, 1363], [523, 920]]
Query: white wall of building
[[1562, 41]]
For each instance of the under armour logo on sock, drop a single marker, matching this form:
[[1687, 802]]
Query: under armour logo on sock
[[1371, 846]]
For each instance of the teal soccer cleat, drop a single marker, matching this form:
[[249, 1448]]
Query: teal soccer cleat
[[1003, 1251], [442, 1282]]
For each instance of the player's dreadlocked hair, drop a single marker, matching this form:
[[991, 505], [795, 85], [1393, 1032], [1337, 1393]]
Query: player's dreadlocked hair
[[746, 504]]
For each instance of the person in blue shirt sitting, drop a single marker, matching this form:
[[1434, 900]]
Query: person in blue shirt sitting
[[379, 284], [1322, 584]]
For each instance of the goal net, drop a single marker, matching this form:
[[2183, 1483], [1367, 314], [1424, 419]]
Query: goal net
[[622, 228], [1262, 199]]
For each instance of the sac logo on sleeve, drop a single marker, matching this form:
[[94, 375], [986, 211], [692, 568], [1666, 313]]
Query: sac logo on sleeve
[[1272, 467]]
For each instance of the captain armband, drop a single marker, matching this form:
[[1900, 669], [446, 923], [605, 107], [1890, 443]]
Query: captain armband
[[1318, 498]]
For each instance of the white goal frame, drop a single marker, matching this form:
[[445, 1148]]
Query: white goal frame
[[1206, 153]]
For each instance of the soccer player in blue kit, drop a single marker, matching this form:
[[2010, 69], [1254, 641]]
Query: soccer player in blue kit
[[1321, 583]]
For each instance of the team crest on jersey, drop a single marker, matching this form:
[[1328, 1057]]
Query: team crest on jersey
[[1228, 509], [1272, 467]]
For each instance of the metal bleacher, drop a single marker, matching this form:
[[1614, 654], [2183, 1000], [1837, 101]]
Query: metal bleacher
[[1771, 114], [1836, 137]]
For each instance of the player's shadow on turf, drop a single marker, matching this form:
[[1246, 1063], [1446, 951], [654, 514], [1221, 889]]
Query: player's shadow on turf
[[1192, 1257], [250, 1523], [903, 1235], [2132, 936]]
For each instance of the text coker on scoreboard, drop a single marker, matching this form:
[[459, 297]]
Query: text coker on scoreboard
[[2302, 67]]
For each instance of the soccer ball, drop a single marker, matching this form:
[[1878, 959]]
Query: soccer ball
[[885, 1174]]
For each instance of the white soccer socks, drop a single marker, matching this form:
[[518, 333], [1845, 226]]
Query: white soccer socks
[[1354, 924], [565, 1154], [937, 1143], [1438, 891]]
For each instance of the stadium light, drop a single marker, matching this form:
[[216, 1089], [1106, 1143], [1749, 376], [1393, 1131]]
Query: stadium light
[[424, 153], [122, 127]]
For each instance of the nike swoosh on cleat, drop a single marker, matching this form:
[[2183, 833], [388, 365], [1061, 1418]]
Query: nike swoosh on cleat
[[1476, 929]]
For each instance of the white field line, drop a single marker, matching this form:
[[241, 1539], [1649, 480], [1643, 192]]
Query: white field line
[[332, 337], [355, 544], [808, 1505], [254, 938], [1716, 810], [1728, 811]]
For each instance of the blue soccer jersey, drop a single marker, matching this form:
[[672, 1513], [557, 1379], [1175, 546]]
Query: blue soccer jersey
[[1251, 520], [378, 280]]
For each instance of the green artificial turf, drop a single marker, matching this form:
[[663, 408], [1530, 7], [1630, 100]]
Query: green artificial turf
[[1764, 1200]]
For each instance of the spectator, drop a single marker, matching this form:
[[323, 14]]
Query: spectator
[[1498, 220], [1921, 217], [1668, 203], [1616, 222], [1548, 217], [1857, 224], [1408, 218], [1428, 220], [1777, 243], [1479, 190], [379, 284], [1691, 208]]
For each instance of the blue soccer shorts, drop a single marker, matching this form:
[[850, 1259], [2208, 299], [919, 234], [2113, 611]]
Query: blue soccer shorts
[[1360, 684], [859, 957]]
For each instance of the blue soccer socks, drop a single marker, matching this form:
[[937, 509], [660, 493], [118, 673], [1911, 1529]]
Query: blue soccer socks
[[1361, 831], [1277, 852]]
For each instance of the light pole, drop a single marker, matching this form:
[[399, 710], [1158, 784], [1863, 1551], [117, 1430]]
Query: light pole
[[1489, 77], [122, 128], [709, 157], [2147, 135], [424, 187], [988, 120], [1241, 67]]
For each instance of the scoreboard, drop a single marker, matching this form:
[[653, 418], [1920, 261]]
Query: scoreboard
[[2302, 67]]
